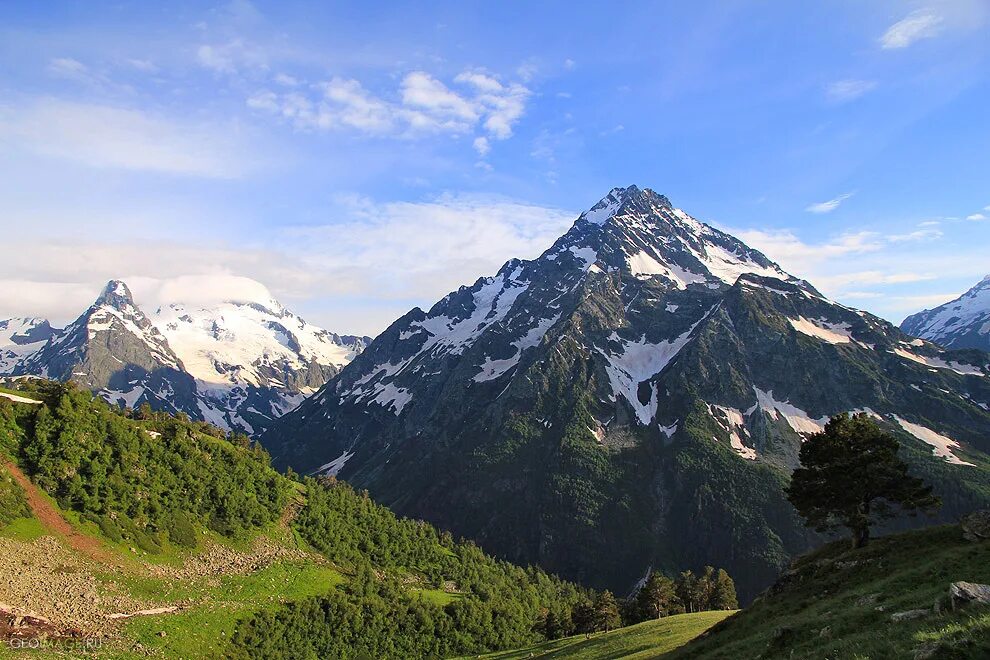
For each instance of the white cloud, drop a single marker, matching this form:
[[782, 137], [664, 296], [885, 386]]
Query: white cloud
[[286, 80], [976, 216], [987, 207], [919, 24], [918, 235], [232, 57], [105, 136], [841, 91], [426, 249], [66, 67], [370, 265], [892, 273], [146, 66], [424, 105], [829, 206], [481, 145]]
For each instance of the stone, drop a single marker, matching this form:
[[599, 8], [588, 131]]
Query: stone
[[909, 615], [867, 600], [966, 593], [976, 526]]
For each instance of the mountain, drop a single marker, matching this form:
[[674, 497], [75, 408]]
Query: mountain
[[238, 365], [633, 398], [255, 361], [962, 323], [114, 349], [19, 338]]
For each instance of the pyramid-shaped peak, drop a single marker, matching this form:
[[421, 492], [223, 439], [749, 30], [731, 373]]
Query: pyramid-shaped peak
[[620, 200], [115, 293]]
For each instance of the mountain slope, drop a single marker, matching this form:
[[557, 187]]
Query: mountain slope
[[20, 338], [961, 323], [634, 397], [238, 365], [839, 603]]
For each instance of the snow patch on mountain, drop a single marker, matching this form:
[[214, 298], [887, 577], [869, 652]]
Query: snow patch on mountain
[[833, 333], [798, 419], [492, 369], [333, 468], [238, 343], [939, 363], [638, 361], [19, 339], [942, 446], [733, 422]]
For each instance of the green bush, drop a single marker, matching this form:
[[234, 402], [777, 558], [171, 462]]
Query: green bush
[[181, 530], [13, 505]]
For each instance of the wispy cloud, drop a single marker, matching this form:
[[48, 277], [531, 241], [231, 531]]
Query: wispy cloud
[[388, 256], [105, 136], [66, 67], [842, 91], [919, 235], [976, 216], [424, 105], [830, 205], [919, 24]]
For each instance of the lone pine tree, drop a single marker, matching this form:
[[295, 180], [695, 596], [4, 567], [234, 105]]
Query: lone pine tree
[[851, 476]]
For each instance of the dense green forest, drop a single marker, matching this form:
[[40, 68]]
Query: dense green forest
[[142, 479], [410, 590]]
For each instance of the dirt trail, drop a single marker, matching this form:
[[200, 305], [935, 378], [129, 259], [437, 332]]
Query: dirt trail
[[53, 520]]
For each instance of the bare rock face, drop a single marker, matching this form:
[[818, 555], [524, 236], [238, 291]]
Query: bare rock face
[[976, 526], [909, 615], [962, 594]]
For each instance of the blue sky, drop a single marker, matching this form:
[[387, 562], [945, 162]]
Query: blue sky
[[360, 158]]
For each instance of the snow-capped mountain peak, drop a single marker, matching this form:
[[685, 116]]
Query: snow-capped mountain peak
[[238, 365], [640, 233], [960, 323], [250, 343]]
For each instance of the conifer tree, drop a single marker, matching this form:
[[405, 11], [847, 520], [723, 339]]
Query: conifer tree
[[723, 593], [851, 476], [657, 598], [606, 612]]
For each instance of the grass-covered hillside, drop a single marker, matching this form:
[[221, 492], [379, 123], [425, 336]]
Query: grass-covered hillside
[[649, 639], [841, 603], [158, 535]]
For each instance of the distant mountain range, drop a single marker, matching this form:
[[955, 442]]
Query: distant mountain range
[[238, 365], [633, 398], [962, 323]]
